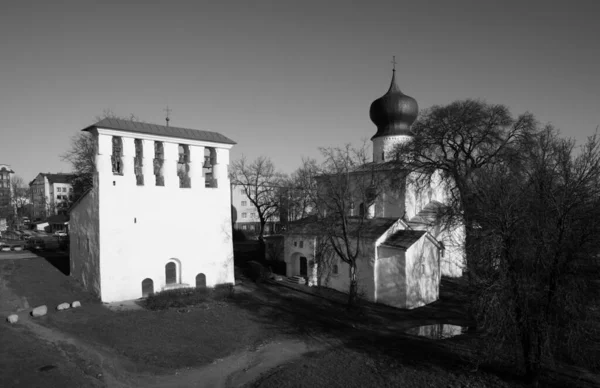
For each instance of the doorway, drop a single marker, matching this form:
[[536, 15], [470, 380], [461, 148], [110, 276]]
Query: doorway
[[303, 266]]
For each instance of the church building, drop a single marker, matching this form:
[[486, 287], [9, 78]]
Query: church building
[[158, 216], [405, 248]]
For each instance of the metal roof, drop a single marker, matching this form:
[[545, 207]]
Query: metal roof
[[404, 238], [370, 228], [160, 130]]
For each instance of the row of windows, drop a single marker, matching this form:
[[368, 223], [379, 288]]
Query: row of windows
[[64, 197], [301, 243], [245, 215], [64, 189], [183, 163]]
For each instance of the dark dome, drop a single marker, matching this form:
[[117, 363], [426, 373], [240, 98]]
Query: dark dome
[[394, 112]]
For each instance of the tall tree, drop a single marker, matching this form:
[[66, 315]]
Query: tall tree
[[82, 155], [458, 140], [262, 184], [20, 196], [344, 188], [535, 250]]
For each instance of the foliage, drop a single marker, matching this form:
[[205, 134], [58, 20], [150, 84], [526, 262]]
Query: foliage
[[257, 272], [538, 225], [456, 141]]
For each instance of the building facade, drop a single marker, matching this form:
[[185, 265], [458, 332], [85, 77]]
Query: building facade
[[136, 231], [404, 247], [245, 214], [51, 194]]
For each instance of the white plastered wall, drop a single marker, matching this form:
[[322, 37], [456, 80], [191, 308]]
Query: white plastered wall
[[142, 228], [84, 242]]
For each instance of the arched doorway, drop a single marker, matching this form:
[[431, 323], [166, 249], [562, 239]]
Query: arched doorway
[[147, 287], [201, 280], [171, 273]]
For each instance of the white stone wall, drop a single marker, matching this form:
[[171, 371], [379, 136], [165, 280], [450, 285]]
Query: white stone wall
[[84, 242], [423, 274], [339, 281], [383, 146], [142, 228], [390, 277]]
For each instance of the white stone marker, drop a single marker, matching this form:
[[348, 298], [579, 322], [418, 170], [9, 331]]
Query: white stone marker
[[63, 306], [13, 318], [39, 311], [76, 304]]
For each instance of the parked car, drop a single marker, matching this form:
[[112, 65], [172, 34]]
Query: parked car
[[60, 234], [36, 244]]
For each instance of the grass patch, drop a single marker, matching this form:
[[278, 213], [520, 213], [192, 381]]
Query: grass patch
[[185, 297]]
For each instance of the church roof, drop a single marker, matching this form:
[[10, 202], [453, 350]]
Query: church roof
[[404, 238], [427, 216], [394, 112], [372, 228], [160, 130]]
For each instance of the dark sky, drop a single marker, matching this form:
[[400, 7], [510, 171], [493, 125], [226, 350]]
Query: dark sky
[[282, 78]]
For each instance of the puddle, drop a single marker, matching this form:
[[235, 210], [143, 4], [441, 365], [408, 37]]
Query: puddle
[[439, 331]]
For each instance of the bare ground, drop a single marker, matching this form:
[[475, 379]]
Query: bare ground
[[266, 336]]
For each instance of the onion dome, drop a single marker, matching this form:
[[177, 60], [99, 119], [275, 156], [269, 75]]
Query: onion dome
[[394, 112]]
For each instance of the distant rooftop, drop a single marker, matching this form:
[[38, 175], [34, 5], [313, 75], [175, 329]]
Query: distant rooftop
[[161, 130]]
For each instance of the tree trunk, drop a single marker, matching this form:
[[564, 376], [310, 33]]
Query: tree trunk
[[353, 294]]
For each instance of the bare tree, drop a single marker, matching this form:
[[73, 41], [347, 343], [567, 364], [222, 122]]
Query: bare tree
[[346, 186], [20, 196], [457, 141], [534, 250], [82, 155], [262, 184], [299, 203]]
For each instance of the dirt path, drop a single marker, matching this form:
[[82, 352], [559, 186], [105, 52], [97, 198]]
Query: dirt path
[[232, 371]]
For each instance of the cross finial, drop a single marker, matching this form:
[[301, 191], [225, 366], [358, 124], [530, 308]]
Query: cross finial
[[394, 63], [168, 112]]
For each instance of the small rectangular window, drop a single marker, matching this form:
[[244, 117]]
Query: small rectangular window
[[244, 203], [301, 244], [252, 215], [244, 215]]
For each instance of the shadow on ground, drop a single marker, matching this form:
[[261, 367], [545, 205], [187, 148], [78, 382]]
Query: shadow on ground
[[59, 259], [378, 332]]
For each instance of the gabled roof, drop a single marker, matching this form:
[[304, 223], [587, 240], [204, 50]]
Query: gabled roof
[[160, 130], [427, 216], [371, 229], [59, 178], [55, 178], [404, 238]]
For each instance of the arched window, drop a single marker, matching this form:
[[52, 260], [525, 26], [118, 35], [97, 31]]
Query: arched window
[[138, 162], [117, 155], [200, 280], [147, 287], [159, 159], [210, 159], [183, 166], [171, 273]]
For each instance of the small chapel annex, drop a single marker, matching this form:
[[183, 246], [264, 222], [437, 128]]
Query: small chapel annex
[[406, 249], [158, 216]]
